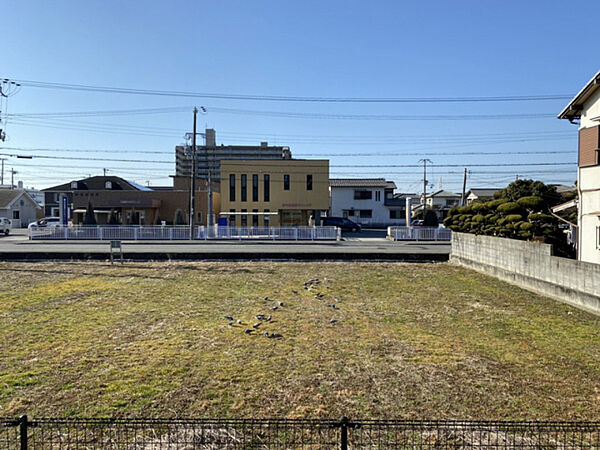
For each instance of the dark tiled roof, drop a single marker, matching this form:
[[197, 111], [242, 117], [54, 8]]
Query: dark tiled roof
[[362, 182], [97, 184], [483, 192], [9, 195]]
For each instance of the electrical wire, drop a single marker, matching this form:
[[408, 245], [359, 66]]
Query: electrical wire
[[275, 98]]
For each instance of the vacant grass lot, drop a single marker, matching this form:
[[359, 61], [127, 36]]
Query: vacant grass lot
[[410, 341]]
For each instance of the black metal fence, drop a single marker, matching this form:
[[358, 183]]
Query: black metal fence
[[155, 434]]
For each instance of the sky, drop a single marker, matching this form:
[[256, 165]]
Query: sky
[[334, 49]]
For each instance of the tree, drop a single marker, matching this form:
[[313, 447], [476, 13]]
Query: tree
[[89, 218], [526, 188], [520, 211]]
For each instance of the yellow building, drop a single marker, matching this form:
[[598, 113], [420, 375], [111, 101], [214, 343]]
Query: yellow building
[[278, 192]]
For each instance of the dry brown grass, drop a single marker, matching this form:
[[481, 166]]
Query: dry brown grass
[[411, 341]]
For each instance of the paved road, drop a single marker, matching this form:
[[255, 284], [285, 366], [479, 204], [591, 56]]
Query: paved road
[[354, 246]]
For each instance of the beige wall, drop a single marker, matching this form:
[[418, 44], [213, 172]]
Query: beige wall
[[298, 200], [589, 190]]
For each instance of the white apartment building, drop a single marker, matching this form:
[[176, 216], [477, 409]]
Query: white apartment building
[[366, 201], [584, 110]]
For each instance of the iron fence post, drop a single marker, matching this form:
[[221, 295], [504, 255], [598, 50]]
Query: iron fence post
[[23, 431], [344, 433]]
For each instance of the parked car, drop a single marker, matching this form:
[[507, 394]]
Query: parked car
[[46, 222], [417, 223], [341, 222], [4, 225]]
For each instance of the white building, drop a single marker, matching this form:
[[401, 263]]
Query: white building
[[366, 201], [584, 110], [18, 206]]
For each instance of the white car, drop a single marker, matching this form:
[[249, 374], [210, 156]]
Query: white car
[[4, 225], [46, 222]]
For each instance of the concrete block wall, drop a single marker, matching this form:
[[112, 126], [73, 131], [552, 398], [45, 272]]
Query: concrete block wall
[[531, 266]]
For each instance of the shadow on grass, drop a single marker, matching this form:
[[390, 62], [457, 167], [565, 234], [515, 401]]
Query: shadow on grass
[[80, 273]]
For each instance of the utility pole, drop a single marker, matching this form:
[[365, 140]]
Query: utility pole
[[462, 199], [425, 161], [193, 180], [13, 172], [104, 171], [2, 172]]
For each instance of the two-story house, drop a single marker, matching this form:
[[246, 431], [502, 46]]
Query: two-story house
[[584, 110], [366, 201], [440, 201]]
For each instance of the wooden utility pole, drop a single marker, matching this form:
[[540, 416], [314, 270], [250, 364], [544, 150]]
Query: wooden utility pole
[[193, 180], [462, 199]]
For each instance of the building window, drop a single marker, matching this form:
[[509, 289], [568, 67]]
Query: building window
[[254, 188], [309, 182], [244, 218], [267, 188], [232, 218], [244, 184], [377, 196], [363, 195], [255, 217], [267, 219], [232, 188], [396, 214], [365, 213], [199, 217], [286, 182], [16, 214]]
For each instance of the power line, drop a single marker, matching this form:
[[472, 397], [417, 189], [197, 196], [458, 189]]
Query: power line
[[234, 162], [276, 98], [428, 117], [359, 154]]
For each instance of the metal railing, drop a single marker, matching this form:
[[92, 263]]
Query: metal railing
[[419, 234], [156, 434], [181, 232]]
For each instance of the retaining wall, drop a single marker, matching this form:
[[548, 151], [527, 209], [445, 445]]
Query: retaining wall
[[531, 266]]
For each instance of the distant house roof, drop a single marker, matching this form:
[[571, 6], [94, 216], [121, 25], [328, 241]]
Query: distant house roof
[[561, 188], [9, 196], [362, 182], [98, 183], [575, 107], [442, 193], [483, 192]]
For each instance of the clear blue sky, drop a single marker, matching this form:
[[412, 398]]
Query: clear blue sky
[[308, 48]]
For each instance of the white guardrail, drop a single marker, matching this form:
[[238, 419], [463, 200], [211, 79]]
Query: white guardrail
[[419, 234], [181, 232]]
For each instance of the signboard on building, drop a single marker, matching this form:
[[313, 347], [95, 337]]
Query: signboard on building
[[65, 210]]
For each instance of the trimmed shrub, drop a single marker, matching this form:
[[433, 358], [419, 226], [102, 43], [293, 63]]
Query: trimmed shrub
[[509, 207], [478, 207], [478, 218], [541, 217], [525, 226], [532, 203], [493, 204], [514, 218]]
